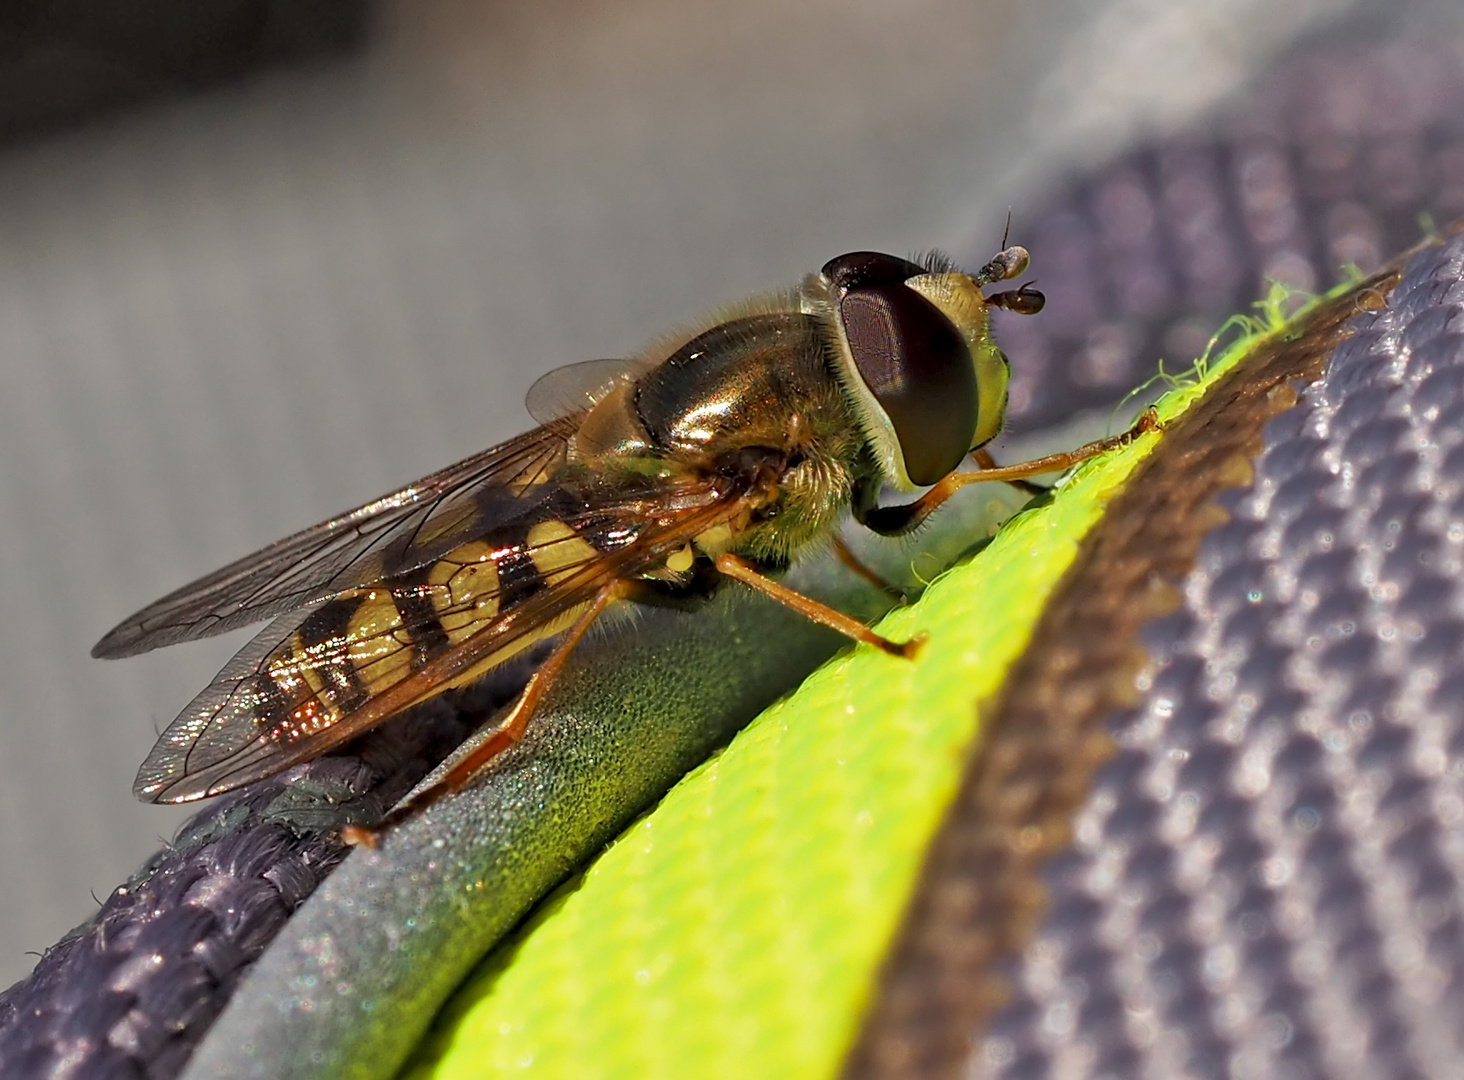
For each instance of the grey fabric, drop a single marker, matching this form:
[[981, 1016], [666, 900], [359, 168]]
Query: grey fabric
[[69, 61], [1266, 881], [224, 319]]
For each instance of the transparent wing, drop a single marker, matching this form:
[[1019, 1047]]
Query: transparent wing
[[573, 388], [391, 535], [316, 678]]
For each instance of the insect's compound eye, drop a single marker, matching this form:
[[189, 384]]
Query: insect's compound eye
[[919, 369], [860, 269]]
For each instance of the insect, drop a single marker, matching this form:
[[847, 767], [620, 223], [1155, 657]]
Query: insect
[[718, 455]]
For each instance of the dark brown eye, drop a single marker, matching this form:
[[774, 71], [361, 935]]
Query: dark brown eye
[[864, 268], [918, 368]]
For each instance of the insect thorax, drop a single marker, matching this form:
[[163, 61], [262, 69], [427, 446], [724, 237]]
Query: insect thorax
[[752, 401]]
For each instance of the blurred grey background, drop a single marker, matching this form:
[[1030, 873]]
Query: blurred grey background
[[251, 284]]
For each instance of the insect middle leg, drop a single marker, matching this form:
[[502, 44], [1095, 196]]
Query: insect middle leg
[[739, 569], [858, 566]]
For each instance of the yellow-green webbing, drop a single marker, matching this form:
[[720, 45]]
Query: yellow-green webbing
[[736, 930]]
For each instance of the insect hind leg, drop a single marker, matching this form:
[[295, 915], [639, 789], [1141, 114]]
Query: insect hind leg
[[509, 730]]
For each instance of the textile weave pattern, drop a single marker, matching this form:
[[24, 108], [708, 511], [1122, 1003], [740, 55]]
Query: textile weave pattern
[[1266, 880]]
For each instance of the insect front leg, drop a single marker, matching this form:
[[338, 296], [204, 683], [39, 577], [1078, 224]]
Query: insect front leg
[[985, 462], [898, 520]]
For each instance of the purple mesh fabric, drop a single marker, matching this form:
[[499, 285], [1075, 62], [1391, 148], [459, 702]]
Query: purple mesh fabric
[[1333, 161], [1266, 881], [131, 992]]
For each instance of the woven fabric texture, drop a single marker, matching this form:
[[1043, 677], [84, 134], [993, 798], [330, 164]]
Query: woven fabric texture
[[1330, 162], [1266, 880], [130, 993]]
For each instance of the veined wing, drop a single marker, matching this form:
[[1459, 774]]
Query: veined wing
[[317, 677], [391, 535]]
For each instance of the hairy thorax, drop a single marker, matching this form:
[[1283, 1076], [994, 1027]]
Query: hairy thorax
[[749, 405]]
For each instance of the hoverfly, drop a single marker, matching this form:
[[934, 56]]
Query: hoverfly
[[719, 454]]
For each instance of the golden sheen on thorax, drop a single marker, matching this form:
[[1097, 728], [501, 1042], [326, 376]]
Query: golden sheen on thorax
[[715, 456]]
